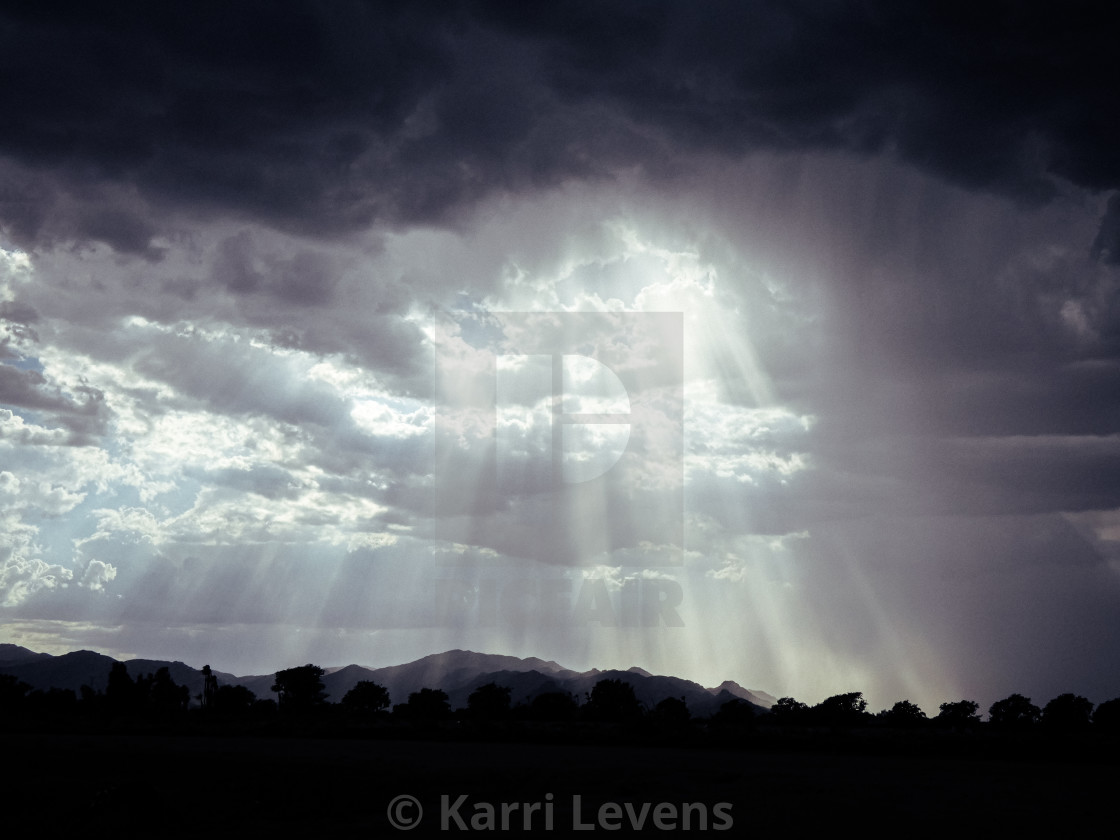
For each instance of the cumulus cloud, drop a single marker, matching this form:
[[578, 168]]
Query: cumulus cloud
[[23, 572], [96, 575]]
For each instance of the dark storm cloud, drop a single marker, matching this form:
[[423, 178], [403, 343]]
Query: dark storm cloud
[[83, 413], [307, 278], [255, 107], [323, 118], [960, 476], [16, 312], [1106, 247]]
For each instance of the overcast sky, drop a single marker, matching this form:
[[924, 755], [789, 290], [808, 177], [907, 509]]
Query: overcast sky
[[254, 254]]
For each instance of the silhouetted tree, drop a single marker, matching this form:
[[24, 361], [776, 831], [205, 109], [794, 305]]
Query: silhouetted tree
[[1015, 711], [1067, 711], [903, 714], [735, 713], [366, 697], [54, 703], [120, 692], [1107, 716], [209, 687], [90, 700], [300, 689], [12, 692], [958, 715], [164, 696], [841, 710], [489, 702], [671, 712], [233, 700], [553, 705], [789, 711], [613, 700], [143, 694], [428, 704]]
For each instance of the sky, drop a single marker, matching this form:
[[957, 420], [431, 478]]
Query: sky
[[777, 343]]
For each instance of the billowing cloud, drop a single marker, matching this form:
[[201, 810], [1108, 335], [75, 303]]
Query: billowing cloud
[[323, 119]]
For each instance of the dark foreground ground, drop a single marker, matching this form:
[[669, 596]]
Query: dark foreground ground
[[158, 786]]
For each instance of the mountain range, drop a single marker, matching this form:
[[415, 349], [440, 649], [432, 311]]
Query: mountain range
[[456, 672]]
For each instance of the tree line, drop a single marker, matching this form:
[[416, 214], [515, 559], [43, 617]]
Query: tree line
[[1016, 712], [300, 693]]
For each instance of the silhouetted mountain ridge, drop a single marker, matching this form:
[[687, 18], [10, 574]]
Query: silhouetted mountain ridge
[[456, 672], [70, 670], [751, 695], [16, 655]]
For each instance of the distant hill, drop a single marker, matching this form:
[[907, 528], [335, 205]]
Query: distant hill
[[16, 655], [460, 672], [85, 667], [450, 671], [70, 670], [759, 698], [457, 672]]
